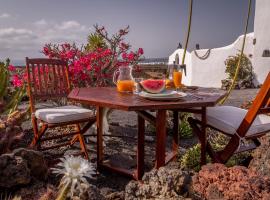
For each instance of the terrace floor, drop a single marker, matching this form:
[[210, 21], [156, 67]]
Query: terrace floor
[[122, 151]]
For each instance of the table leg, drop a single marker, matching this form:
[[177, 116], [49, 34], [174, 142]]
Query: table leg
[[161, 138], [203, 135], [175, 131], [140, 148], [99, 135]]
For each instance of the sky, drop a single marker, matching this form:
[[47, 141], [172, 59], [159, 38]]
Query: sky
[[155, 25]]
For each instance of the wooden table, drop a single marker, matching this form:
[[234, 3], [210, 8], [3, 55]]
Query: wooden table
[[102, 97]]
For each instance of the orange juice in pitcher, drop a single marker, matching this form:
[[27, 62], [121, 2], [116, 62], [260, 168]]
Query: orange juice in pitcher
[[125, 85], [123, 79]]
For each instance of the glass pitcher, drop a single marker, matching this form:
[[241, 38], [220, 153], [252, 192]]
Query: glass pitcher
[[123, 79]]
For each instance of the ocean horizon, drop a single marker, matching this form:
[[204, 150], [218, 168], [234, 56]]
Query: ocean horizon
[[145, 61]]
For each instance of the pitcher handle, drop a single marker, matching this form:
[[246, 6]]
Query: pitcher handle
[[115, 74]]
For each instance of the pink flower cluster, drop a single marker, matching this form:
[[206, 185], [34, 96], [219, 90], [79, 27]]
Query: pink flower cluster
[[93, 68], [17, 78], [17, 81], [64, 51]]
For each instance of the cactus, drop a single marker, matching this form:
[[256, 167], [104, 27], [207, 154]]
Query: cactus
[[9, 101], [15, 100], [4, 80]]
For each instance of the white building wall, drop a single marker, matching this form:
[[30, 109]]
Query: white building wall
[[210, 72], [262, 35]]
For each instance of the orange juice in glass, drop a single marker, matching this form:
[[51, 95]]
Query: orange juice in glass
[[125, 85], [177, 78]]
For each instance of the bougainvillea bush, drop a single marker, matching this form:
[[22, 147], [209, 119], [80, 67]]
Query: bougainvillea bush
[[93, 64]]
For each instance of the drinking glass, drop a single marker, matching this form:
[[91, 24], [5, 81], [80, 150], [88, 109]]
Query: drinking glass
[[177, 77], [137, 87], [169, 80]]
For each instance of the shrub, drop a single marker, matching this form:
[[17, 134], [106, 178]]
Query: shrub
[[94, 63], [185, 129], [191, 159], [218, 141], [245, 72]]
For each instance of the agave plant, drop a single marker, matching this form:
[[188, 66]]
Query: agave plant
[[75, 170]]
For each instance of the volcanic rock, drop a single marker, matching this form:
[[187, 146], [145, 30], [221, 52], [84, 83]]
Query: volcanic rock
[[216, 181]]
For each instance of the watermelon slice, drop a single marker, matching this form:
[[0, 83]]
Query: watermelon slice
[[153, 85]]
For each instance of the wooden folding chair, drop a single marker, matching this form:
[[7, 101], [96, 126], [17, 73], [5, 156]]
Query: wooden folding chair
[[238, 123], [48, 79]]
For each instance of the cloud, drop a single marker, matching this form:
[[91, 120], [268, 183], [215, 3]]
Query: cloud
[[41, 22], [18, 43], [69, 25], [13, 33], [66, 31], [4, 15]]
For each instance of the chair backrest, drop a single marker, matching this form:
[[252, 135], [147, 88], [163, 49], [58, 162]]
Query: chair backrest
[[47, 79], [261, 105]]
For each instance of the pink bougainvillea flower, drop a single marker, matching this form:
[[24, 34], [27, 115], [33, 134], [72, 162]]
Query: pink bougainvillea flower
[[16, 81], [131, 56], [140, 51], [95, 68], [11, 68]]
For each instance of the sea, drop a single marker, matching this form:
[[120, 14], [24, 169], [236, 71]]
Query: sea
[[145, 61], [154, 61]]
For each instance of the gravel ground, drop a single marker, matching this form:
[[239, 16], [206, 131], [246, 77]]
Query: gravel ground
[[122, 151]]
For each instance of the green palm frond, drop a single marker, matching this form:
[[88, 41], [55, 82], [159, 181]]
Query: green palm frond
[[95, 41]]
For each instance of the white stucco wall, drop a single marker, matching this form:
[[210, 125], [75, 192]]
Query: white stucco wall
[[262, 35], [210, 72]]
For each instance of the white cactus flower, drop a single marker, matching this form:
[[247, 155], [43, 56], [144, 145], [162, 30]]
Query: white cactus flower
[[75, 171]]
